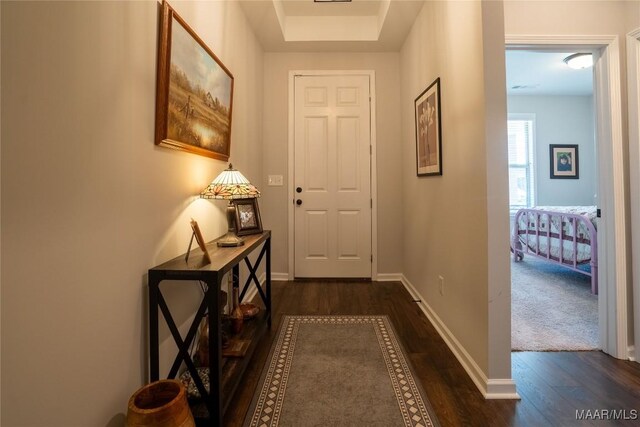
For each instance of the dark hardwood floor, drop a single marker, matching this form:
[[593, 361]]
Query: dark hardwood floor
[[553, 386]]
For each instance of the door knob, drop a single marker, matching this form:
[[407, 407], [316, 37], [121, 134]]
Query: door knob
[[298, 190], [298, 202]]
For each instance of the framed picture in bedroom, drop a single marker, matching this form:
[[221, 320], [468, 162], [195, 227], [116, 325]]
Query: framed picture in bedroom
[[428, 131], [563, 161], [247, 217], [194, 93]]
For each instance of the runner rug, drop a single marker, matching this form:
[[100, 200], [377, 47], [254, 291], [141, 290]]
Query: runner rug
[[338, 371]]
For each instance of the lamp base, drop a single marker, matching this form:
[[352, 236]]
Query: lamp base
[[230, 240]]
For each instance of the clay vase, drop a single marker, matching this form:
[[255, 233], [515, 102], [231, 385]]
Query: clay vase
[[160, 404], [237, 316]]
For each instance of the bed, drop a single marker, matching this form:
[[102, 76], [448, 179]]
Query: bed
[[538, 231]]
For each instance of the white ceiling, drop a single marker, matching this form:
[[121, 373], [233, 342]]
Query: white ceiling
[[545, 73], [311, 8], [308, 26], [382, 26]]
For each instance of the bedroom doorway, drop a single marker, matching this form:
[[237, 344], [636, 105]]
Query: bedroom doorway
[[553, 167], [611, 249]]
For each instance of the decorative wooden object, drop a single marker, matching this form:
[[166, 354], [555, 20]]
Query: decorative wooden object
[[224, 373], [237, 316]]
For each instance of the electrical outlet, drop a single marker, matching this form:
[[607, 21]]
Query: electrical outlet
[[441, 282]]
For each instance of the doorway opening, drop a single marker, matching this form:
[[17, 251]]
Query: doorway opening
[[552, 177], [612, 280]]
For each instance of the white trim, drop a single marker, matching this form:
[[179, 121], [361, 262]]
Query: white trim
[[290, 183], [374, 173], [389, 277], [279, 277], [534, 154], [633, 79], [501, 389], [490, 389], [613, 252]]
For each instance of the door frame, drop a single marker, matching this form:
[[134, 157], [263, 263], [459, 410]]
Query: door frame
[[372, 160], [612, 300], [633, 79]]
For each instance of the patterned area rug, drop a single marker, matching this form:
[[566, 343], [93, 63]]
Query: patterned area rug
[[338, 371]]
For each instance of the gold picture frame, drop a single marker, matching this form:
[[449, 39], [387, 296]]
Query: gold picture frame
[[194, 94], [201, 243]]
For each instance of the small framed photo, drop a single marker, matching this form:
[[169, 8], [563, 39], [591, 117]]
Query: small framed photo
[[428, 131], [247, 217], [563, 161], [201, 243]]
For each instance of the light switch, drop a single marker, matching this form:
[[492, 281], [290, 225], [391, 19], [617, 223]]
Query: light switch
[[275, 180]]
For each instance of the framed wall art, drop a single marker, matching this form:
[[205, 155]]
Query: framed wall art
[[428, 131], [247, 217], [563, 161], [194, 96]]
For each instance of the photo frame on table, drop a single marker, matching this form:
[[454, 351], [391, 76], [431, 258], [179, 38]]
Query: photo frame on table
[[194, 94], [247, 217], [563, 161], [201, 243], [428, 131]]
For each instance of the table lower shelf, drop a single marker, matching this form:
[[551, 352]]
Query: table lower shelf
[[232, 367]]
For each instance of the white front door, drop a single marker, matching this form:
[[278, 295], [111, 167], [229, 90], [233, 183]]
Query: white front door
[[332, 176]]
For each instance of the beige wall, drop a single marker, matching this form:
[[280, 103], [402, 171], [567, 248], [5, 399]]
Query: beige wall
[[445, 217], [89, 203], [561, 119], [275, 203], [633, 15]]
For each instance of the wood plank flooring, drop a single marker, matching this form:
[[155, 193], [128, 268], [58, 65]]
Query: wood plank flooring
[[553, 386]]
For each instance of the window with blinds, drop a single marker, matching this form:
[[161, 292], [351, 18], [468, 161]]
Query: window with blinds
[[521, 161]]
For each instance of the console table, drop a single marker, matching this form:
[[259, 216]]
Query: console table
[[224, 373]]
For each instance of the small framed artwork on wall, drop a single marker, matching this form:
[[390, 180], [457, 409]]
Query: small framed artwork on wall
[[428, 131], [563, 161]]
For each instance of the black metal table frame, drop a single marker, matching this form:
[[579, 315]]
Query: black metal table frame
[[209, 304]]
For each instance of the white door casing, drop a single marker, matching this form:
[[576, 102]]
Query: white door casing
[[332, 176], [633, 78]]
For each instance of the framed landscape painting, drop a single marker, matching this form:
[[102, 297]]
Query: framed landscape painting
[[428, 131], [563, 161], [194, 92]]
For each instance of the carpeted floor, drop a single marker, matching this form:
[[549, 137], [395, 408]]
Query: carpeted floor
[[338, 371], [552, 308]]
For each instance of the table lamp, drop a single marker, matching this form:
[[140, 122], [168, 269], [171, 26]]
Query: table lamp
[[230, 185]]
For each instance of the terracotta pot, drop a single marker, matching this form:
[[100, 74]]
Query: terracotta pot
[[160, 404]]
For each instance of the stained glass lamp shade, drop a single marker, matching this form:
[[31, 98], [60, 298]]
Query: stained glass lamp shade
[[230, 185]]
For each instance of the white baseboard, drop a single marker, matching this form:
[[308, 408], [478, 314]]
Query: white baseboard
[[389, 277], [490, 388], [501, 389], [279, 277], [631, 353]]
